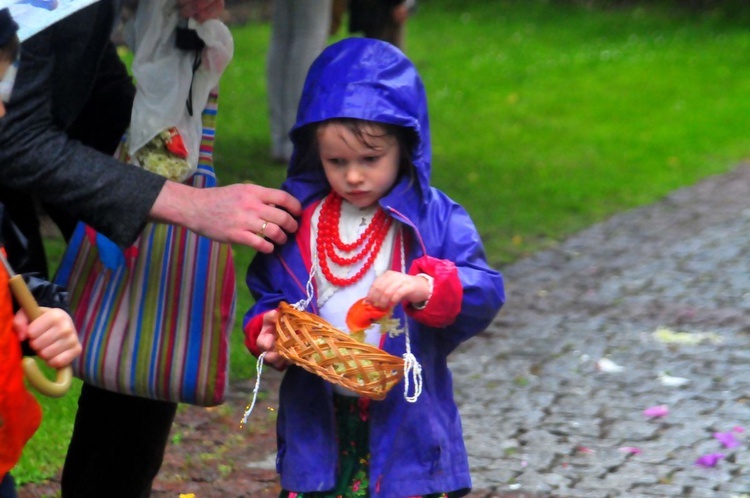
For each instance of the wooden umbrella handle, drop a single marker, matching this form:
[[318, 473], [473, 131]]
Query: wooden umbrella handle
[[52, 389], [24, 297]]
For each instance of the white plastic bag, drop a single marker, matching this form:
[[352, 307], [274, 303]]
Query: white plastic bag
[[165, 78]]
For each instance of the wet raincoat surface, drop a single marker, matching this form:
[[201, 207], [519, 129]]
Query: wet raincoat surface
[[417, 448]]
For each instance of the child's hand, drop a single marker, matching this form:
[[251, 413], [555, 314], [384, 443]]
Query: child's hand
[[392, 287], [267, 341], [53, 336]]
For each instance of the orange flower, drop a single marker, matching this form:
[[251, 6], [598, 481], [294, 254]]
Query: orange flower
[[362, 315]]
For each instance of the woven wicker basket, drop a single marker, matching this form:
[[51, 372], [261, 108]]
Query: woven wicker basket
[[317, 346]]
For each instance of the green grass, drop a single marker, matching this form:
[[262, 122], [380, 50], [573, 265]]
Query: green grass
[[555, 118], [545, 119]]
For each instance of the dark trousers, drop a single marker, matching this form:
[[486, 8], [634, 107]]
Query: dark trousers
[[7, 487], [117, 446]]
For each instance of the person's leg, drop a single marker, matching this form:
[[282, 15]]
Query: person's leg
[[395, 26], [310, 23], [369, 17], [7, 487], [117, 446], [276, 76]]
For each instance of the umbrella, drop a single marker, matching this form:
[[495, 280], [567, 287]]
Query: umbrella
[[33, 374], [33, 16], [20, 414]]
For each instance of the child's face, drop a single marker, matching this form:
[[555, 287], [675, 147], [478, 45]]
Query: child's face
[[360, 173]]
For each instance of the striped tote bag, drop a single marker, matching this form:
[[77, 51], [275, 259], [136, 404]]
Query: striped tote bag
[[154, 320]]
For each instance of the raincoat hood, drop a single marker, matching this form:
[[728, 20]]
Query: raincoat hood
[[366, 79]]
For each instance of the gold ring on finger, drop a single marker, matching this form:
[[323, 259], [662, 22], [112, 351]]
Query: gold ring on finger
[[261, 234]]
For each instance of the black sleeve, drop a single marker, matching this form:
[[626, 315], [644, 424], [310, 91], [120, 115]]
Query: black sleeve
[[37, 155], [46, 293]]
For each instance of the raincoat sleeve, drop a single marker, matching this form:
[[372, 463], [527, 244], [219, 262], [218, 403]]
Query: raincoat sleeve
[[469, 292], [444, 304], [46, 293], [260, 288], [263, 281], [273, 278]]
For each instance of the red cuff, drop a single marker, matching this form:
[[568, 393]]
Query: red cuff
[[447, 294], [252, 331]]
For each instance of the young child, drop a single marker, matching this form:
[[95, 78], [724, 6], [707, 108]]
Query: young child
[[372, 227], [52, 335]]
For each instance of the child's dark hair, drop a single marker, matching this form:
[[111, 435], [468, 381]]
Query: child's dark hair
[[9, 44], [360, 128]]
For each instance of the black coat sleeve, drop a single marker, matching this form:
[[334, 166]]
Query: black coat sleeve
[[37, 155]]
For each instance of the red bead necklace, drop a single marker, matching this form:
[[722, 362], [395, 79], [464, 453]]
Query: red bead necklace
[[329, 240]]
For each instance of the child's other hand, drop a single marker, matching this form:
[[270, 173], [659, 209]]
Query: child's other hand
[[53, 336], [392, 287], [267, 341]]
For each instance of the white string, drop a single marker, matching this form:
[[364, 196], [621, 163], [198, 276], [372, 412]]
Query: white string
[[258, 371], [302, 304], [411, 365]]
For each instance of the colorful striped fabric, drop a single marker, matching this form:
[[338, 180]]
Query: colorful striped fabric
[[158, 325]]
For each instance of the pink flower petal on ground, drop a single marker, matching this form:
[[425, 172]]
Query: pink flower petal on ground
[[631, 450], [727, 439], [738, 429], [656, 411], [709, 460]]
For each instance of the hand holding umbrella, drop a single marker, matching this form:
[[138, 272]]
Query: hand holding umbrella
[[35, 377]]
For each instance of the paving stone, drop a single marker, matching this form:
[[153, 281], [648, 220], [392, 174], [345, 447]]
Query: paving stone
[[530, 393]]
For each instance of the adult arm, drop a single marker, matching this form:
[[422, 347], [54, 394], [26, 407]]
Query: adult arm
[[37, 156], [234, 213]]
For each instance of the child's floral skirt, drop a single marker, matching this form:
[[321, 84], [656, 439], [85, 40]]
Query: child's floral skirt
[[354, 453]]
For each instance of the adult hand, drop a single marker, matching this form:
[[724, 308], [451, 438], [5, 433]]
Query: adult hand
[[201, 10], [246, 214]]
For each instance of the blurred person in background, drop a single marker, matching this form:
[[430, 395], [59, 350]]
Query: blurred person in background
[[299, 32]]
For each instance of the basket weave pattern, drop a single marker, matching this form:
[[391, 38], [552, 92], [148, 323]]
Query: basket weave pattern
[[317, 346]]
